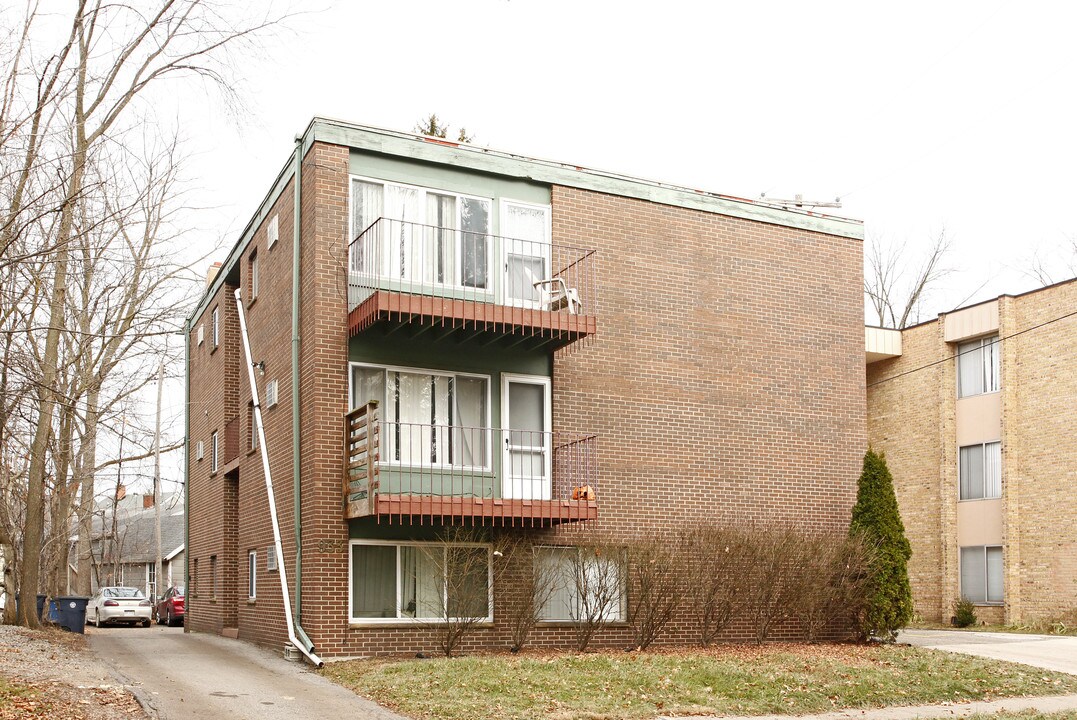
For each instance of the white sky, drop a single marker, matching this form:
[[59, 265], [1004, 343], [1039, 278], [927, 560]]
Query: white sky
[[920, 115]]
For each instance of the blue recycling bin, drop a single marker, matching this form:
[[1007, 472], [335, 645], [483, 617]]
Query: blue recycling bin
[[40, 607], [70, 613], [53, 615]]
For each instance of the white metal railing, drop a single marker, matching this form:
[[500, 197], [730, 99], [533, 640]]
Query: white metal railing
[[420, 259]]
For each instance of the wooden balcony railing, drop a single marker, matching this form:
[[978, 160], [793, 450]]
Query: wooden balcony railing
[[425, 472]]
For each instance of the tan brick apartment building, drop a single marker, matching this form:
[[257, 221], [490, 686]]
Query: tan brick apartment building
[[544, 347], [977, 416]]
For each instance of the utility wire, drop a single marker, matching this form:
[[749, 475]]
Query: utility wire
[[959, 354]]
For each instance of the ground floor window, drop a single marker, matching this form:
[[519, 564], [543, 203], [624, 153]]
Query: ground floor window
[[981, 574], [419, 581], [252, 574], [584, 584]]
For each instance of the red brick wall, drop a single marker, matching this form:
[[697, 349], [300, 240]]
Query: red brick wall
[[726, 383]]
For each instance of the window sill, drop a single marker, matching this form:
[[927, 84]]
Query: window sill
[[976, 395], [569, 623], [252, 601], [990, 604], [406, 623], [252, 451], [972, 500], [250, 303]]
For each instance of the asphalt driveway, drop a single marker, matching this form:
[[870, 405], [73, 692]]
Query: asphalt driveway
[[1051, 652], [182, 676]]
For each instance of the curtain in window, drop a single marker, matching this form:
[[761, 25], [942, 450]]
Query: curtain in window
[[470, 434], [994, 574], [973, 574], [467, 574], [993, 470], [971, 462], [970, 367], [553, 566], [373, 581], [405, 239], [366, 209], [475, 224], [421, 586], [418, 410], [440, 245], [368, 384]]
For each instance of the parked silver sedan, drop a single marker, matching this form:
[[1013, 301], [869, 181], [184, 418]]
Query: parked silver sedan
[[126, 605]]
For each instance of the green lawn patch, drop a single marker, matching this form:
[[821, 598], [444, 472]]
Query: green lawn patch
[[746, 680]]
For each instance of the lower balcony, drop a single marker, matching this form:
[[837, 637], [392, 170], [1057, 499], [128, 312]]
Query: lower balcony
[[425, 473]]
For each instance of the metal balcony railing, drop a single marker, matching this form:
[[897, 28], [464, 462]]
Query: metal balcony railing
[[429, 260], [431, 470]]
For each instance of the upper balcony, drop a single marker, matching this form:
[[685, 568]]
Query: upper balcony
[[519, 292], [429, 472]]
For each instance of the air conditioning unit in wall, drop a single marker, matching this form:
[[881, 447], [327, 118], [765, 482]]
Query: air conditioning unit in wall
[[199, 450], [271, 393]]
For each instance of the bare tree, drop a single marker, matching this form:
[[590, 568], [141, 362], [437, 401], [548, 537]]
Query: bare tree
[[1057, 265], [432, 126], [656, 587], [532, 585], [457, 593], [832, 583], [716, 572], [897, 284], [70, 234], [596, 581]]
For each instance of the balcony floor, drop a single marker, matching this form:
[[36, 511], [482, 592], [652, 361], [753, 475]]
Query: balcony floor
[[485, 511], [553, 330]]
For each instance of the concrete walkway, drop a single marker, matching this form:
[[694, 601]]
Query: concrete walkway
[[1055, 703], [1050, 652], [184, 676]]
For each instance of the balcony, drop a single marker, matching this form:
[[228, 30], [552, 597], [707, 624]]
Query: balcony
[[465, 284], [411, 472]]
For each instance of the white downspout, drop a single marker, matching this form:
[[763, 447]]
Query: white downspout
[[269, 489]]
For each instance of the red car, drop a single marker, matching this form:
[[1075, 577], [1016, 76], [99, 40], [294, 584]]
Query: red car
[[169, 609]]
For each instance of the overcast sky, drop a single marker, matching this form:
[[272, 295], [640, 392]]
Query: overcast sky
[[919, 116]]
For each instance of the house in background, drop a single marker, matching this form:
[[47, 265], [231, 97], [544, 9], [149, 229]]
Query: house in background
[[126, 554], [487, 340], [977, 414]]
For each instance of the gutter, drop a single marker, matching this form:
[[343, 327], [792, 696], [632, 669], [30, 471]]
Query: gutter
[[297, 211], [304, 647], [186, 454]]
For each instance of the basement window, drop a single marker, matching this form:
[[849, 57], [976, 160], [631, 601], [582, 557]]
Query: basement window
[[410, 582]]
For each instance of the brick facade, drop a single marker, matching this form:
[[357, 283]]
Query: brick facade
[[912, 419], [725, 383]]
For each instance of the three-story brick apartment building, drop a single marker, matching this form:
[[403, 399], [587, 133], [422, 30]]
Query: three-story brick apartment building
[[449, 335]]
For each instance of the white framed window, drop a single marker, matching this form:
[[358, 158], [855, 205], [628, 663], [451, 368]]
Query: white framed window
[[978, 367], [271, 558], [215, 327], [201, 333], [585, 584], [273, 231], [214, 454], [980, 471], [271, 393], [252, 574], [410, 582], [430, 417], [981, 574], [428, 237], [199, 450]]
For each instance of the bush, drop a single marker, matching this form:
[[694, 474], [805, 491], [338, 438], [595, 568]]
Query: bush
[[877, 522], [833, 585], [656, 587], [964, 613], [716, 572]]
